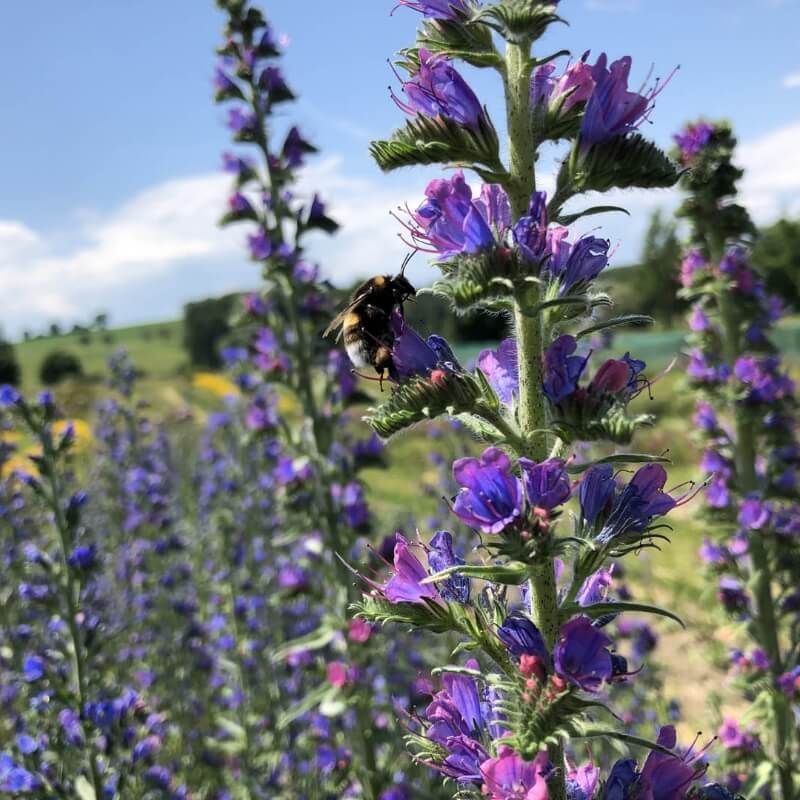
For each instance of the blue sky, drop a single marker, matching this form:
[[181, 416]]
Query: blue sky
[[109, 151]]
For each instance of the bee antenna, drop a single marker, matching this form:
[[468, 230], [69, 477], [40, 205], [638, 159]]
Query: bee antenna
[[406, 261]]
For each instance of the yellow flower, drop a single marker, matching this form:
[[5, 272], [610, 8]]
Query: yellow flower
[[211, 382], [83, 431], [21, 462]]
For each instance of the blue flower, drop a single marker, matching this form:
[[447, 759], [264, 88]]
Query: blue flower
[[522, 637], [33, 668], [581, 655], [546, 484], [441, 555], [490, 497]]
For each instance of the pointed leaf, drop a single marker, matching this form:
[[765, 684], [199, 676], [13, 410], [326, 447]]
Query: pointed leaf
[[618, 458], [616, 322], [596, 610], [511, 574], [568, 219], [627, 738]]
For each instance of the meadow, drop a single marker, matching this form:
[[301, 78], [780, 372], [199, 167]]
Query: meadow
[[299, 546]]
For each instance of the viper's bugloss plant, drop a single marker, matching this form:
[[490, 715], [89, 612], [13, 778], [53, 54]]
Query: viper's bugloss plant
[[333, 710], [532, 612], [747, 422]]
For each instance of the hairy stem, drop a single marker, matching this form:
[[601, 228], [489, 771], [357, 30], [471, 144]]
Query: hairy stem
[[530, 341], [70, 590], [766, 626]]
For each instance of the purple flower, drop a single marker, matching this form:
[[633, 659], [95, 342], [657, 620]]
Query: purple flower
[[531, 233], [15, 779], [495, 208], [693, 262], [510, 777], [762, 379], [711, 553], [562, 369], [405, 585], [260, 245], [501, 369], [441, 556], [449, 222], [733, 737], [546, 484], [754, 513], [456, 723], [411, 354], [638, 504], [717, 494], [582, 782], [522, 637], [733, 596], [33, 668], [595, 492], [446, 10], [699, 321], [581, 654], [490, 497], [705, 417], [595, 588], [575, 265], [621, 779], [692, 139], [612, 110], [560, 94], [295, 148], [241, 122], [789, 682], [667, 777], [437, 89], [701, 370]]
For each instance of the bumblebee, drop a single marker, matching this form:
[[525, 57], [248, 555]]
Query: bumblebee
[[366, 322]]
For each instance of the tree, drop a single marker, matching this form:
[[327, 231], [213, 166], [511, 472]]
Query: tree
[[58, 365], [656, 276], [777, 252], [10, 371], [205, 323]]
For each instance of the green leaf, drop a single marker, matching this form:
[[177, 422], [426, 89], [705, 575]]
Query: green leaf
[[512, 574], [420, 399], [616, 322], [477, 280], [596, 610], [465, 40], [629, 739], [311, 700], [568, 219], [233, 729], [437, 140], [624, 162], [84, 789], [316, 640], [618, 458], [520, 20]]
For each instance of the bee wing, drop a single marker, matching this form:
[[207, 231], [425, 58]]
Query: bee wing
[[338, 320]]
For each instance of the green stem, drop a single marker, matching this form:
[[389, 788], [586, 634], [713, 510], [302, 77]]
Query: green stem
[[70, 589], [530, 343], [766, 624], [319, 441]]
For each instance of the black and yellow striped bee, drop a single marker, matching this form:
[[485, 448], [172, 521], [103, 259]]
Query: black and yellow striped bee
[[366, 321]]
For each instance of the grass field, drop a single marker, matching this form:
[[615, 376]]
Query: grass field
[[672, 578]]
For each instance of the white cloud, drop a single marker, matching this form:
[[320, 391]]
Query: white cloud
[[163, 247], [792, 80], [771, 185]]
